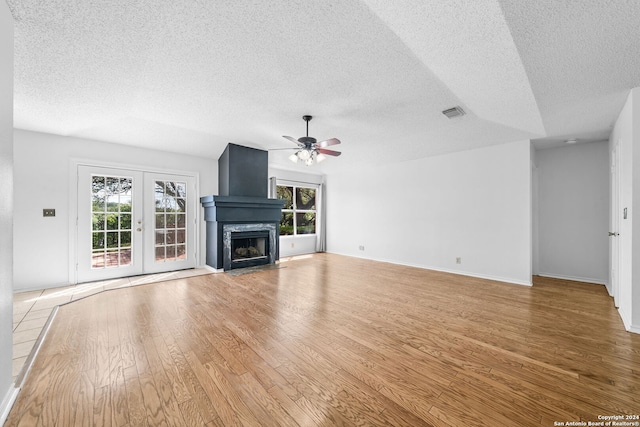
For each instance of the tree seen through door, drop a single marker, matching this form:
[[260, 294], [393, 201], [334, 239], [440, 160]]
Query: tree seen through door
[[111, 208]]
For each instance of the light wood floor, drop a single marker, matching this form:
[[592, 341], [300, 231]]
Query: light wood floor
[[31, 309], [333, 340]]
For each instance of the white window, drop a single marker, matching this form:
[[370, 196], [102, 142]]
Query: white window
[[299, 210]]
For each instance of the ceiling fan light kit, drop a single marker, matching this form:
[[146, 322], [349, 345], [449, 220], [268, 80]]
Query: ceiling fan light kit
[[309, 150]]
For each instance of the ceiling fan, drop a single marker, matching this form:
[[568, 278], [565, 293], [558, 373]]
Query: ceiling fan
[[309, 149]]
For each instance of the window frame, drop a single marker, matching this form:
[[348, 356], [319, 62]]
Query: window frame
[[295, 210]]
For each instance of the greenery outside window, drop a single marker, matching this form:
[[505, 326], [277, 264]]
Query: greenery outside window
[[299, 210]]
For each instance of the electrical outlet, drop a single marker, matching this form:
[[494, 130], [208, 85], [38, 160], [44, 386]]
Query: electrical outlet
[[361, 247], [458, 260], [293, 245], [48, 212]]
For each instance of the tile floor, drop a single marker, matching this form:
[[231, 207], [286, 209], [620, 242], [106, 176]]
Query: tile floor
[[32, 309]]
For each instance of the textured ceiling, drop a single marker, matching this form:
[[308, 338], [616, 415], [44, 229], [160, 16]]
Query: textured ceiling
[[191, 76]]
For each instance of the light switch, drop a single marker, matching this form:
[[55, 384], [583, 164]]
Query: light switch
[[48, 212]]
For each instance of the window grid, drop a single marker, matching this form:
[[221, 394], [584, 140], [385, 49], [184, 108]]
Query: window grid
[[111, 208], [170, 221], [299, 210]]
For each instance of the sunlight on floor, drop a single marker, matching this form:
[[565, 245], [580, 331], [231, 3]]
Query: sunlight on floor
[[32, 309]]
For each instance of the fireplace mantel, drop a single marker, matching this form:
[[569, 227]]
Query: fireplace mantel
[[239, 208]]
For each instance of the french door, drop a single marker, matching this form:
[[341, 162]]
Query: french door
[[133, 222]]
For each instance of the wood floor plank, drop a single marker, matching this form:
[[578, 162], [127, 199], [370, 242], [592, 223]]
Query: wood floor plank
[[190, 414], [102, 407], [135, 401], [197, 389], [119, 403], [298, 414], [332, 340], [231, 394], [162, 385], [223, 409]]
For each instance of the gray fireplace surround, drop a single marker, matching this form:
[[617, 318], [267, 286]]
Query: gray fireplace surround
[[228, 230], [241, 207]]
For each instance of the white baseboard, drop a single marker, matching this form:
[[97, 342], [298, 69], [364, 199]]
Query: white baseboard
[[481, 276], [7, 403], [211, 269], [574, 278], [444, 270], [626, 320], [608, 288]]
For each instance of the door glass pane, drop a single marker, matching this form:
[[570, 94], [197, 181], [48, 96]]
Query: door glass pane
[[180, 221], [181, 189], [111, 207], [171, 220], [98, 221], [125, 222], [112, 221], [160, 254], [171, 204], [181, 252], [112, 258], [125, 257], [97, 260]]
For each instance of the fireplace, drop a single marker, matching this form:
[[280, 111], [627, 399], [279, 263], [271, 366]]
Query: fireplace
[[247, 245], [243, 225]]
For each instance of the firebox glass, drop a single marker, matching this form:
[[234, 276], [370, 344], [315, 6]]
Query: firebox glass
[[242, 249]]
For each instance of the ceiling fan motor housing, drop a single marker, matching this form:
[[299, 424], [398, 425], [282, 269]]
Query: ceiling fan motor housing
[[307, 140]]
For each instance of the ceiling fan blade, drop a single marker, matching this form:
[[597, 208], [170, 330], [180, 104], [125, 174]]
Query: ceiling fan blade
[[292, 139], [328, 152], [328, 142]]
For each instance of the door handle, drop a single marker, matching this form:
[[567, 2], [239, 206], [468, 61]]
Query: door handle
[[139, 229], [613, 233]]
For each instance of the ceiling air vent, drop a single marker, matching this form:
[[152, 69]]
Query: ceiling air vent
[[454, 112]]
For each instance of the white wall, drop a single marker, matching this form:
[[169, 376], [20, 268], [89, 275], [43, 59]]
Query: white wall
[[627, 133], [573, 209], [303, 244], [475, 205], [7, 391], [42, 170]]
